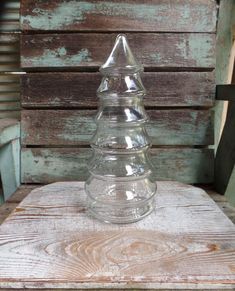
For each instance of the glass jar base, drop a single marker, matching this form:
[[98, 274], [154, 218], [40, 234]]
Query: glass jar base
[[120, 214]]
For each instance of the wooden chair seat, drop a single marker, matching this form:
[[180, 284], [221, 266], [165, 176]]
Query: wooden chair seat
[[186, 243]]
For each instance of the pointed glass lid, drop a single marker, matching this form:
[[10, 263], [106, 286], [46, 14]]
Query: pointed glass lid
[[121, 60]]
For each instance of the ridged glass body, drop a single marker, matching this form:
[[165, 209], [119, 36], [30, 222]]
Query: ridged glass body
[[121, 186]]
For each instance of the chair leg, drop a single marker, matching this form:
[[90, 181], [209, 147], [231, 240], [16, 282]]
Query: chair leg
[[9, 167], [230, 191]]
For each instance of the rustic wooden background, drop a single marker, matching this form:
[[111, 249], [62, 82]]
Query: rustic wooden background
[[62, 46]]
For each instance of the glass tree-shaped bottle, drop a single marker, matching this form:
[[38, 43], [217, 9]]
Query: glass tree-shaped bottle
[[121, 186]]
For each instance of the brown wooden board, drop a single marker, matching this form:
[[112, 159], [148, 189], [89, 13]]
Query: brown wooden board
[[51, 242], [74, 127], [90, 50], [77, 89], [116, 15], [45, 165]]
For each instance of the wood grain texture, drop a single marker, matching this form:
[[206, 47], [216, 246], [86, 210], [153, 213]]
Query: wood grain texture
[[90, 50], [74, 127], [24, 190], [51, 242], [65, 164], [140, 15], [163, 89]]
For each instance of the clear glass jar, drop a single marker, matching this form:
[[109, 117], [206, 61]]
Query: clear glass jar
[[121, 187]]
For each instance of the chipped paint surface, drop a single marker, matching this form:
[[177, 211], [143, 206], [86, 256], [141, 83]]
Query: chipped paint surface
[[65, 164], [74, 127], [196, 49], [183, 50], [68, 13], [57, 57]]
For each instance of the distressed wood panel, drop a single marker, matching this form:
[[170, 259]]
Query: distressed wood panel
[[51, 234], [163, 89], [131, 15], [73, 127], [66, 164], [79, 50]]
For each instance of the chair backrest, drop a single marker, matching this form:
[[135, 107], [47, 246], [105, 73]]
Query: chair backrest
[[62, 45]]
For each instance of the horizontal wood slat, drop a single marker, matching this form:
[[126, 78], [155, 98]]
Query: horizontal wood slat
[[9, 96], [9, 106], [66, 164], [11, 4], [79, 89], [79, 50], [9, 16], [116, 15], [9, 52], [10, 114], [9, 38], [73, 127]]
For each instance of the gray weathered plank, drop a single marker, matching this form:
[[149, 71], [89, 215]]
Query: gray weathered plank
[[65, 164], [79, 50], [163, 89], [74, 127], [131, 15], [51, 242]]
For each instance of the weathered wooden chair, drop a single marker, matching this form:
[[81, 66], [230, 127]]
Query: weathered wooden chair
[[64, 42], [62, 46], [58, 92]]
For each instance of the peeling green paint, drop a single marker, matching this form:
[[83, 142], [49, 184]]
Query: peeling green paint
[[75, 12], [67, 13], [198, 49], [57, 57], [157, 57], [50, 165]]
